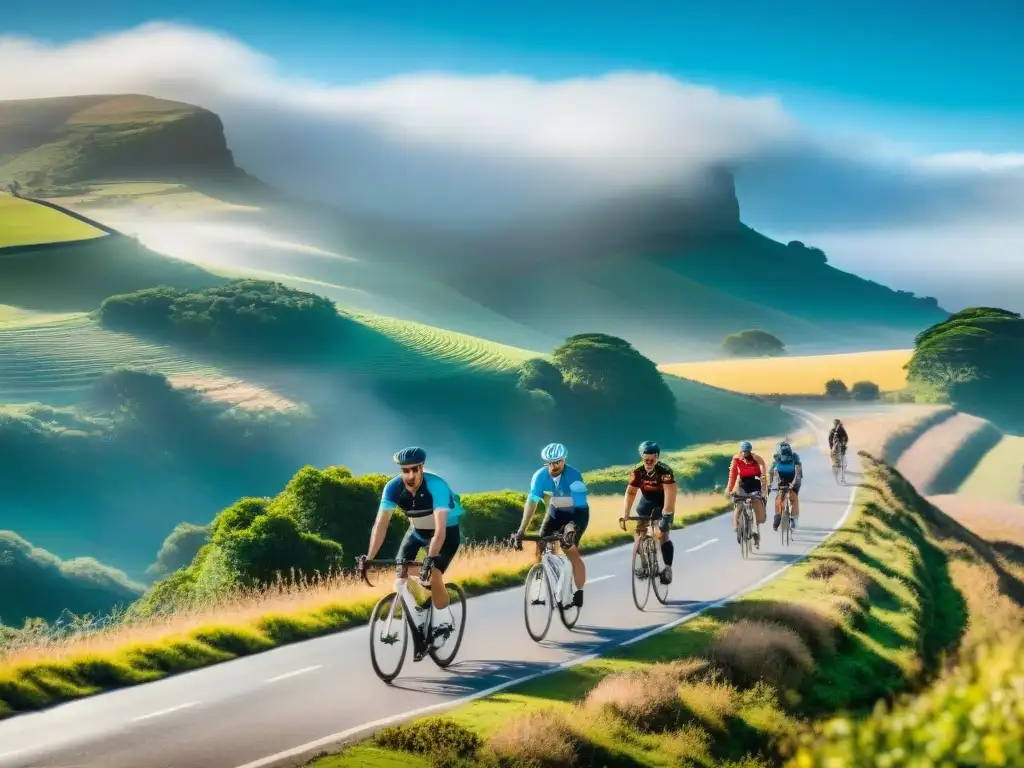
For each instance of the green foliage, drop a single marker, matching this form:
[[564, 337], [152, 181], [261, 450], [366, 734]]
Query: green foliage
[[836, 388], [438, 738], [753, 343], [976, 356], [815, 255], [245, 317], [695, 472], [179, 548], [865, 390], [274, 545], [36, 583], [493, 515], [540, 374], [973, 716]]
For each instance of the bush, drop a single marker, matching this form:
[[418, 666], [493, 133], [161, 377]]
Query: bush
[[538, 740], [865, 390], [179, 548], [753, 343], [274, 546], [647, 699], [438, 738], [254, 317], [491, 515], [836, 388]]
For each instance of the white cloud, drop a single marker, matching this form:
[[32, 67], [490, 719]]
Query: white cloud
[[452, 150]]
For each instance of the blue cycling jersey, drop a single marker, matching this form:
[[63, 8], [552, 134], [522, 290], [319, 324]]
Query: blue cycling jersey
[[432, 494], [785, 466], [567, 490]]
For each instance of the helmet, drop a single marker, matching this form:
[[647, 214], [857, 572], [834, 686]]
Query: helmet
[[554, 452], [746, 446], [412, 455], [835, 422], [649, 446], [785, 448]]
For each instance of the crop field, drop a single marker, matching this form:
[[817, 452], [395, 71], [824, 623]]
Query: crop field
[[26, 223], [798, 375], [998, 475]]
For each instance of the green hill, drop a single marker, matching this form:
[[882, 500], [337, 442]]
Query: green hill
[[706, 274]]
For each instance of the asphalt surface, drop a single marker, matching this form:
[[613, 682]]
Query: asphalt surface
[[278, 707]]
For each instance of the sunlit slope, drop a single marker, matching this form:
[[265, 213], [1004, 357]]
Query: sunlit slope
[[798, 375], [49, 360], [26, 223], [999, 474]]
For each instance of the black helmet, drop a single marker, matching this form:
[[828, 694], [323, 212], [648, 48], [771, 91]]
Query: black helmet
[[649, 446], [412, 455]]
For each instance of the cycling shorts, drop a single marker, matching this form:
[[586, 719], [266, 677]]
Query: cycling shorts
[[787, 478], [414, 540], [648, 510], [750, 484], [558, 518]]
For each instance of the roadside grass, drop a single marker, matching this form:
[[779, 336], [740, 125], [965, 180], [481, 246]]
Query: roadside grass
[[873, 612], [945, 454], [805, 375], [899, 441], [42, 673], [999, 474], [23, 222]]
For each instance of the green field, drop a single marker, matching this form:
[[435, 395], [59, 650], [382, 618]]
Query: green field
[[998, 475], [26, 223]]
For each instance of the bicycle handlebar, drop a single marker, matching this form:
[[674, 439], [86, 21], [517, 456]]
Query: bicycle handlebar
[[365, 564], [636, 518]]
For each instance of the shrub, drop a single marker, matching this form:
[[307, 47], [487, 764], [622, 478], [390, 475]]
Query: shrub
[[179, 548], [865, 390], [648, 699], [750, 651], [491, 515], [438, 738], [836, 388], [536, 740], [753, 343]]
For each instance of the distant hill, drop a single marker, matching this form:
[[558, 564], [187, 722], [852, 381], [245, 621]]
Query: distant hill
[[674, 272]]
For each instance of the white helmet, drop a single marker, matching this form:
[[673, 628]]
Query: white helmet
[[554, 452]]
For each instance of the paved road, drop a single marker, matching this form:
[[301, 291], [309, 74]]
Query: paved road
[[278, 706]]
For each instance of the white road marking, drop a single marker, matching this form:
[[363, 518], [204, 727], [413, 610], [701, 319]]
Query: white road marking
[[600, 578], [700, 546], [167, 711], [302, 671], [336, 738]]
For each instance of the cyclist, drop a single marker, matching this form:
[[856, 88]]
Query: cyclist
[[433, 511], [568, 505], [837, 436], [787, 470], [748, 470], [656, 483]]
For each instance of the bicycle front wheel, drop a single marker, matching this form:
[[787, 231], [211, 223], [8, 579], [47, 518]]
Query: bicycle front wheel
[[660, 588], [444, 654], [389, 636], [538, 597], [641, 577]]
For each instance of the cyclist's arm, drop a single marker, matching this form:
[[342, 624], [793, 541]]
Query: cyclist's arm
[[798, 470], [388, 502], [444, 502], [764, 472], [668, 482], [631, 488], [533, 498], [733, 471], [578, 491]]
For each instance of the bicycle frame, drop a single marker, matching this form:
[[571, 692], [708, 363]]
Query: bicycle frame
[[407, 598], [557, 570]]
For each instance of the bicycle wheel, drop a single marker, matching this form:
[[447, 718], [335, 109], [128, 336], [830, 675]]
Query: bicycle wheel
[[660, 588], [842, 469], [744, 533], [391, 629], [641, 578], [784, 526], [570, 615], [538, 596], [444, 654]]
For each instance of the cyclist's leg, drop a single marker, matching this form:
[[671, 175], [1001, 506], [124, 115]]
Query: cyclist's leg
[[644, 509], [794, 502], [410, 546], [580, 518], [438, 591], [667, 547], [548, 527]]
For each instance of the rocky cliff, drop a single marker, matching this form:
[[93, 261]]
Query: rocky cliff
[[61, 141]]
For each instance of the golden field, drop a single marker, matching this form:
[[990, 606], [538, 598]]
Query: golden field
[[798, 375]]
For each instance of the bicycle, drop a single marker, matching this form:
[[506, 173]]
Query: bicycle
[[746, 527], [645, 563], [548, 579], [787, 525], [402, 606], [839, 464]]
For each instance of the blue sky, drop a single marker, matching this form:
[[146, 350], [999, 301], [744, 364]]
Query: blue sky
[[937, 74]]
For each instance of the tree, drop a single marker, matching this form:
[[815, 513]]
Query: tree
[[538, 373], [753, 343], [865, 390], [836, 388], [179, 548], [975, 356]]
